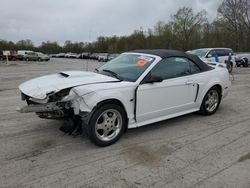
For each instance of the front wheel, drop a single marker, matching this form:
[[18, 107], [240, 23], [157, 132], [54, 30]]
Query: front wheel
[[107, 125], [211, 101]]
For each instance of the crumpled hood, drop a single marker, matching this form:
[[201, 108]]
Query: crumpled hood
[[39, 87]]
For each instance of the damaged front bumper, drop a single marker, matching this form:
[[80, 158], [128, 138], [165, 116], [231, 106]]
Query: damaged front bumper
[[49, 107], [52, 110], [62, 105], [55, 110]]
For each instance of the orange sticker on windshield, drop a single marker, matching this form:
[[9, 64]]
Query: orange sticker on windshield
[[141, 63]]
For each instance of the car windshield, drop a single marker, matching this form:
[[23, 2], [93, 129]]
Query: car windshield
[[128, 67], [199, 52]]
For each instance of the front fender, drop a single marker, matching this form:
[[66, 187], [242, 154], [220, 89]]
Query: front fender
[[88, 102]]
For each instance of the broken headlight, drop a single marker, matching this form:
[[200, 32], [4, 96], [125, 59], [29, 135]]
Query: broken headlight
[[59, 95]]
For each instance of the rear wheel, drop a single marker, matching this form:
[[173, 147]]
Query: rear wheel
[[211, 101], [107, 125]]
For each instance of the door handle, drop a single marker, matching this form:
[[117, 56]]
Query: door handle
[[189, 83]]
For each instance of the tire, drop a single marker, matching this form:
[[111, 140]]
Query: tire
[[246, 64], [210, 104], [103, 128]]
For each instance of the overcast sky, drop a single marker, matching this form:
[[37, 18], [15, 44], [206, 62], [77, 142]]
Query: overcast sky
[[84, 20]]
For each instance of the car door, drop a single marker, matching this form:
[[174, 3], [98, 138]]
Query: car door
[[176, 93]]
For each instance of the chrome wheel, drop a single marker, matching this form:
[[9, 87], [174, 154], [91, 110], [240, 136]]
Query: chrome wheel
[[212, 100], [108, 125]]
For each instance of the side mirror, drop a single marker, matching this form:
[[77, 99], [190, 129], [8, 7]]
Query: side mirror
[[153, 79]]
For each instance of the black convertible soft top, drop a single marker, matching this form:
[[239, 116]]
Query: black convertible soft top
[[175, 53]]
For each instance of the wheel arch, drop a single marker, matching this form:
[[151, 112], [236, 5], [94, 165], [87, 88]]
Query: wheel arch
[[210, 87], [218, 86], [117, 102]]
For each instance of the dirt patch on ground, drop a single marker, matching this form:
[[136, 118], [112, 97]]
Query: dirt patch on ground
[[36, 150], [147, 155], [142, 154]]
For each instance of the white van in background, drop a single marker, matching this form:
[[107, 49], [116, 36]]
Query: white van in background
[[23, 52], [209, 55]]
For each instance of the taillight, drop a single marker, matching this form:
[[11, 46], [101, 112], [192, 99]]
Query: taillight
[[225, 61]]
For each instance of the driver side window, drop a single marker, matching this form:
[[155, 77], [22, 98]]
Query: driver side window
[[172, 68]]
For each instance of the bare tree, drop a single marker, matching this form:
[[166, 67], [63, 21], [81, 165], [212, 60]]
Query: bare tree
[[235, 17], [185, 23]]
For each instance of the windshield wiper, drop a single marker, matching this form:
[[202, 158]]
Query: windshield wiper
[[113, 74]]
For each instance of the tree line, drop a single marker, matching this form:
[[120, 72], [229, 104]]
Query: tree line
[[184, 31]]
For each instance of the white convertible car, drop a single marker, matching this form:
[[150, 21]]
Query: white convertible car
[[135, 89]]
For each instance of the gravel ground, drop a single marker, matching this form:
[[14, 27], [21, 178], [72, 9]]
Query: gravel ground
[[189, 151]]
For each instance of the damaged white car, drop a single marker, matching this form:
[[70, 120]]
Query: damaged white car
[[132, 90]]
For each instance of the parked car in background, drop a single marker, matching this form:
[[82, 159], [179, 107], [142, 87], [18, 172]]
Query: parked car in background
[[17, 57], [1, 55], [209, 54], [11, 55], [94, 56], [135, 89], [23, 52], [112, 56], [242, 59], [52, 55], [42, 57], [85, 55], [103, 57], [60, 55], [71, 55], [31, 56]]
